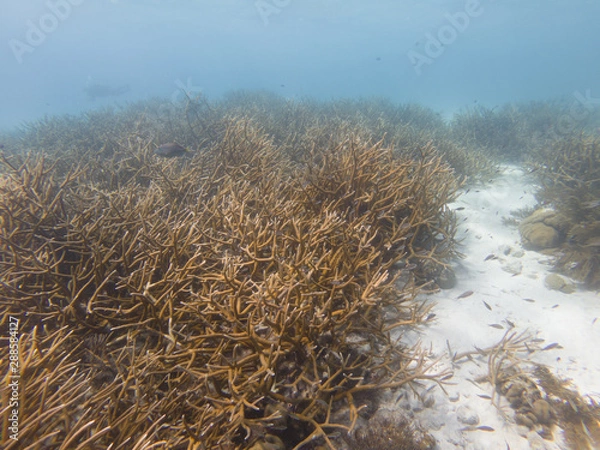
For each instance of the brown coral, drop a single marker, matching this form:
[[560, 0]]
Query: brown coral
[[213, 302], [389, 430], [569, 172]]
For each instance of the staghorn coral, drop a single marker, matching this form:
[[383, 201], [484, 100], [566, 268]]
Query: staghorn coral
[[578, 417], [499, 131], [519, 131], [569, 173], [390, 431], [230, 299], [540, 401]]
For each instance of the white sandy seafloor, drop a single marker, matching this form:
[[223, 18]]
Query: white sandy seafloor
[[556, 317]]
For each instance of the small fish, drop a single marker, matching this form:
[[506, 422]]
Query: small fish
[[170, 150], [490, 256], [530, 300], [594, 321], [587, 431], [551, 346], [486, 305], [510, 324], [429, 317], [460, 208], [497, 326], [465, 294], [487, 397], [450, 353], [592, 242], [555, 306], [591, 204], [480, 351], [480, 428]]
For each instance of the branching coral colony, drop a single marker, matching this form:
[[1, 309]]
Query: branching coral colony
[[569, 174], [532, 395], [235, 299]]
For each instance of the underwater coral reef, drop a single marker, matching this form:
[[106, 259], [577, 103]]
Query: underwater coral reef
[[569, 174], [224, 300], [245, 295]]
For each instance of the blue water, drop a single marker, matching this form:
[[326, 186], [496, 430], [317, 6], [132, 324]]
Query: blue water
[[441, 54]]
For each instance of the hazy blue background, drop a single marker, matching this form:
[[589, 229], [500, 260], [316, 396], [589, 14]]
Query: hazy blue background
[[513, 50]]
